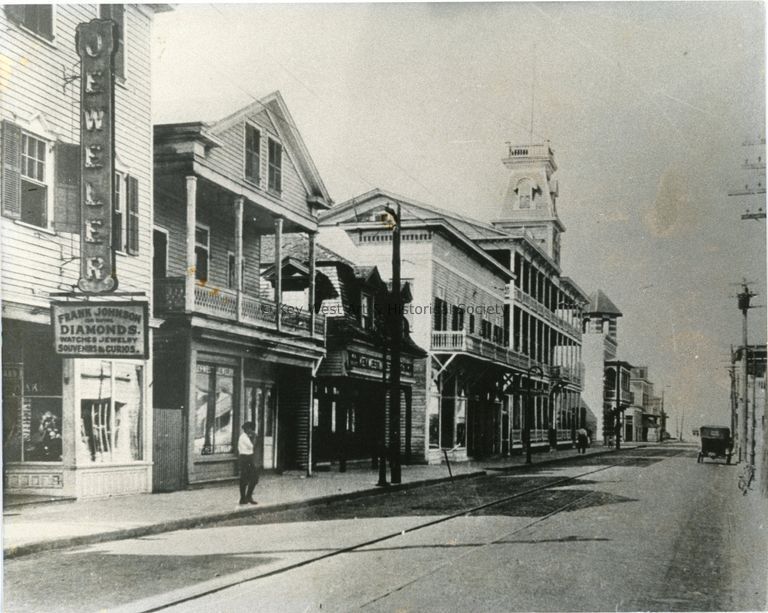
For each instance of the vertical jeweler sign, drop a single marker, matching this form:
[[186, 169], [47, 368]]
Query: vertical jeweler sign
[[96, 46]]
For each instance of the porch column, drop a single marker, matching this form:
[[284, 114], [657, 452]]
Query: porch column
[[239, 254], [312, 270], [278, 270], [191, 277]]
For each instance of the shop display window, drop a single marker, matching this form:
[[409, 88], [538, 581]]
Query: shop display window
[[215, 386], [32, 404], [461, 422], [111, 411]]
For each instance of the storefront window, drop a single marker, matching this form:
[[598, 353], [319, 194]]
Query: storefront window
[[214, 408], [32, 415], [111, 411], [434, 420]]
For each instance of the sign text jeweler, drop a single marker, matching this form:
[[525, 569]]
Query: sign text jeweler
[[96, 45], [100, 329]]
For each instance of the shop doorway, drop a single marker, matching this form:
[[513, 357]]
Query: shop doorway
[[168, 450], [260, 409]]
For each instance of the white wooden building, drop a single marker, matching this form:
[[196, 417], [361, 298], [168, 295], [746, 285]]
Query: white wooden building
[[71, 427]]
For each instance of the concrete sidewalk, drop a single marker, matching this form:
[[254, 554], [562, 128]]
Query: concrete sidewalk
[[29, 528]]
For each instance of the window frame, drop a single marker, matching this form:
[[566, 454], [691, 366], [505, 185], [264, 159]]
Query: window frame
[[207, 248], [258, 179], [159, 230], [274, 185], [48, 181], [19, 20], [113, 378], [366, 310], [120, 212]]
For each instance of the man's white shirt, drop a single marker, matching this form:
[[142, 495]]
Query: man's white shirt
[[244, 445]]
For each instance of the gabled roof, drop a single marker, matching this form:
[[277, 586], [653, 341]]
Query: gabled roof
[[357, 212], [600, 303], [280, 117], [274, 105], [354, 208]]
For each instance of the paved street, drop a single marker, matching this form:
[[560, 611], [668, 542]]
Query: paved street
[[647, 529]]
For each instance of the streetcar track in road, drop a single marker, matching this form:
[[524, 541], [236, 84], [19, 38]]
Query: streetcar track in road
[[475, 548], [351, 548]]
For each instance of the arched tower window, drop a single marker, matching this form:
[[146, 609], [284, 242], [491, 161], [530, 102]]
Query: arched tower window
[[524, 193]]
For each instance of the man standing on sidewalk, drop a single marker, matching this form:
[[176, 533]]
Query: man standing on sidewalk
[[246, 463]]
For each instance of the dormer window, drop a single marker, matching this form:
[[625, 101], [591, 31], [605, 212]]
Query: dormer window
[[252, 154], [366, 311], [275, 179]]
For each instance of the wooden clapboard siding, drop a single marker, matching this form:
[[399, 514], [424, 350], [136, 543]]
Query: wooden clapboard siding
[[229, 159], [34, 86]]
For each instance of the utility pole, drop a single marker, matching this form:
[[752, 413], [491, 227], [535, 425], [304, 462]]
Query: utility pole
[[743, 301], [619, 421], [754, 184], [396, 320]]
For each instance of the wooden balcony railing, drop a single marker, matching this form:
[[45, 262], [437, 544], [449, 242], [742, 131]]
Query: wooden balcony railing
[[169, 297], [541, 310], [476, 345]]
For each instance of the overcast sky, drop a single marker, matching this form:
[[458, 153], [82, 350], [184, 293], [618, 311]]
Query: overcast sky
[[645, 104]]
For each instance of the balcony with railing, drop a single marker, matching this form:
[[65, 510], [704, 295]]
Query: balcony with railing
[[169, 298], [627, 397], [570, 374], [546, 314], [461, 341]]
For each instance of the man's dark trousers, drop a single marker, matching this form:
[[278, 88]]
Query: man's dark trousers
[[248, 477]]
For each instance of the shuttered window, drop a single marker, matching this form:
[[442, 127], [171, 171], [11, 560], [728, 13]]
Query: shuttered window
[[116, 12], [26, 176], [132, 221], [37, 18], [275, 182]]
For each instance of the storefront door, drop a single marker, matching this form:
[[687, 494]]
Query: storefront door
[[260, 408]]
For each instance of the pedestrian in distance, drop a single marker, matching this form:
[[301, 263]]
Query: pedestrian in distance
[[581, 440], [249, 475]]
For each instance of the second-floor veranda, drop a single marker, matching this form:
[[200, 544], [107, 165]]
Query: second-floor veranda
[[560, 367], [207, 255]]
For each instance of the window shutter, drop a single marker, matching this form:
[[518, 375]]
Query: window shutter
[[10, 186], [132, 197], [66, 216]]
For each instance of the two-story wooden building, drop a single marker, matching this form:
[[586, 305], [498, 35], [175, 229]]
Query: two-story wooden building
[[72, 427], [226, 353]]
